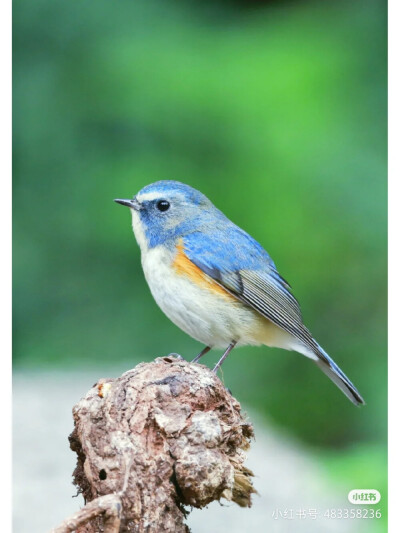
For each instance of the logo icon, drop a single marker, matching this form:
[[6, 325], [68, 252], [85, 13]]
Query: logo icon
[[364, 496]]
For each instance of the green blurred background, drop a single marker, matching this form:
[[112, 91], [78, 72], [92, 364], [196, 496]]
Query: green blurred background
[[277, 112]]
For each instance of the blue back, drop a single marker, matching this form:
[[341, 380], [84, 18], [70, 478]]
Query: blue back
[[208, 235]]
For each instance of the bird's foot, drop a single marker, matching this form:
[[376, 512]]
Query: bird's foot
[[175, 355]]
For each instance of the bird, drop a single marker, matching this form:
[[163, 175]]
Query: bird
[[216, 282]]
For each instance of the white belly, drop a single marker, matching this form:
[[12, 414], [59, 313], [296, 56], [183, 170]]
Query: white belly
[[208, 317]]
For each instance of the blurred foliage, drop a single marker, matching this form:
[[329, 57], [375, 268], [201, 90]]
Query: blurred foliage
[[276, 112]]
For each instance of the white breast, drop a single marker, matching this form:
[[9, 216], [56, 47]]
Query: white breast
[[208, 317]]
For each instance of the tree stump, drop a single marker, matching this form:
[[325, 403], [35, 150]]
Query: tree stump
[[162, 438]]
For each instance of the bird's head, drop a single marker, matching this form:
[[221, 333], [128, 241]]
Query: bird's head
[[167, 210]]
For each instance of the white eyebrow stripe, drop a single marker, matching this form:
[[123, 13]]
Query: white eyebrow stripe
[[148, 196]]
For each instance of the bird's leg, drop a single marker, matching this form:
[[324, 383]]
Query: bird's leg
[[203, 352], [226, 353]]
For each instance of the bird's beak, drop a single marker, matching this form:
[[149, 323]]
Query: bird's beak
[[133, 204]]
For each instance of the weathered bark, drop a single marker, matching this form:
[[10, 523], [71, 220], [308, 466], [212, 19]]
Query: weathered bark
[[108, 506], [163, 436]]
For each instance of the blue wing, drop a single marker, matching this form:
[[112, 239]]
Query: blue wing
[[240, 264]]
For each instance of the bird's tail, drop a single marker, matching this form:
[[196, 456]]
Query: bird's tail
[[330, 368]]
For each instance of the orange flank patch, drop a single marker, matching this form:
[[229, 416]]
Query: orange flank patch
[[184, 267]]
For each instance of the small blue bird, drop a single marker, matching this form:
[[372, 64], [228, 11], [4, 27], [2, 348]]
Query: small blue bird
[[215, 282]]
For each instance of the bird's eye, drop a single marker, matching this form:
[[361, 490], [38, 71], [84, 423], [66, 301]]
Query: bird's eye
[[163, 205]]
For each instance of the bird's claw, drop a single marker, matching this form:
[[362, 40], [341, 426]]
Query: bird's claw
[[176, 355]]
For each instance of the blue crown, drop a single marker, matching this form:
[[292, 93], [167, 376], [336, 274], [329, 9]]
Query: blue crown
[[171, 186]]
